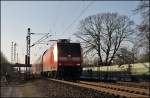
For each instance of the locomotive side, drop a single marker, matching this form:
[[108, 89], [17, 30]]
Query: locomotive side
[[49, 63], [63, 60]]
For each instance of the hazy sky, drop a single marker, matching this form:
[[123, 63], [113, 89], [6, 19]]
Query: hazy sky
[[50, 17]]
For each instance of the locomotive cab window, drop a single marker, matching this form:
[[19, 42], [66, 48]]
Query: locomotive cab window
[[70, 48]]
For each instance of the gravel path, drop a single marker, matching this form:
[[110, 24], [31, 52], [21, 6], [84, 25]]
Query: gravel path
[[10, 92], [46, 88]]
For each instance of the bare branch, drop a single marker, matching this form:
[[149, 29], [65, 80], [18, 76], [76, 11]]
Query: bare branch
[[104, 33]]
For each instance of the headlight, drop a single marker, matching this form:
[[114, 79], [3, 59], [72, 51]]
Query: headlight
[[78, 64]]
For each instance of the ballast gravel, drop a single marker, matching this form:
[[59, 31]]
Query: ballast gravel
[[54, 89]]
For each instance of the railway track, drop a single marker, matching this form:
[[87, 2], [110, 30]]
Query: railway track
[[136, 85], [143, 85], [140, 91], [115, 91]]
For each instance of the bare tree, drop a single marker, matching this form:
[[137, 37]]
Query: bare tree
[[3, 65], [125, 56], [103, 34], [86, 61], [144, 37], [3, 59], [143, 8]]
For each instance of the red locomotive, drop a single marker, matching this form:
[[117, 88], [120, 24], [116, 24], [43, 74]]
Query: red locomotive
[[62, 60]]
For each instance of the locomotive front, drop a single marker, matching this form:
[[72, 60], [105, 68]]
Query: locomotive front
[[69, 60]]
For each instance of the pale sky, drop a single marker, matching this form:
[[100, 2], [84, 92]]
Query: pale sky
[[50, 17]]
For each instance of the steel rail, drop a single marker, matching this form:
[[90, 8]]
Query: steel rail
[[113, 92]]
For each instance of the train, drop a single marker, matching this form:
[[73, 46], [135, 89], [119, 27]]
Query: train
[[127, 72], [62, 61]]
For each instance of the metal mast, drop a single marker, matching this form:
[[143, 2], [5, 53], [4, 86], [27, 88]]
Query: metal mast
[[27, 56], [27, 61], [12, 52], [15, 52], [17, 58]]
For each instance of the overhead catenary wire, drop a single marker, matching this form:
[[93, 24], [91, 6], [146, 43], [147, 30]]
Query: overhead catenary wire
[[73, 22], [81, 13], [41, 39]]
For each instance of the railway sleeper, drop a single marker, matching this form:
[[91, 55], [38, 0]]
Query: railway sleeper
[[107, 86], [143, 93], [132, 91], [126, 90], [115, 88], [110, 94], [107, 93], [118, 96], [120, 89], [103, 92]]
